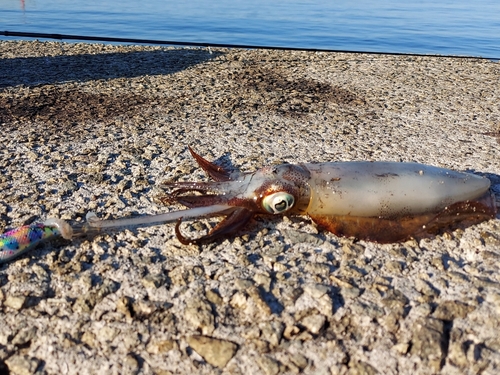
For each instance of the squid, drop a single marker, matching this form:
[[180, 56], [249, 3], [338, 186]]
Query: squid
[[383, 202]]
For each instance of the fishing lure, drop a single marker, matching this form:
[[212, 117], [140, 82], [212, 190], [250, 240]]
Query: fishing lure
[[20, 240], [374, 201]]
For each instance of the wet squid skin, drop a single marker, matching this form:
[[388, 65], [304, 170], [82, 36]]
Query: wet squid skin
[[375, 201]]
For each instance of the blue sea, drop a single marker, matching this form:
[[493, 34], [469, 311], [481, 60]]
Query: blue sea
[[446, 27]]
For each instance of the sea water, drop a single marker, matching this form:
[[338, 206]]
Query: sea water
[[455, 27]]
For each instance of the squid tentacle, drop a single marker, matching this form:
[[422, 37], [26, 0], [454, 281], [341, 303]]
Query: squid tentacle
[[207, 197], [217, 173], [233, 222]]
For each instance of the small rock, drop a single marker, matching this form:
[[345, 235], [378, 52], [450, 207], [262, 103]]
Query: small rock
[[279, 267], [259, 345], [268, 365], [271, 332], [24, 336], [401, 348], [216, 352], [252, 332], [352, 271], [313, 323], [457, 277], [438, 263], [263, 280], [290, 332], [243, 284], [352, 250], [394, 266], [22, 365], [107, 334], [341, 283], [153, 281], [348, 293], [14, 302], [299, 360], [395, 301], [302, 237], [87, 302], [213, 297], [239, 300], [130, 365], [129, 340], [124, 305], [290, 295], [40, 272], [450, 310], [316, 290], [317, 269], [361, 368], [427, 342], [426, 288], [89, 339], [199, 314], [254, 293], [391, 321], [158, 347], [484, 282], [491, 239], [367, 308]]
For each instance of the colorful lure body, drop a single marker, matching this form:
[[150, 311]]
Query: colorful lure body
[[17, 241]]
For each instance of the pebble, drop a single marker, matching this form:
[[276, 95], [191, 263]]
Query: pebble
[[264, 308], [22, 365], [87, 302], [272, 332], [153, 280], [450, 310], [268, 365], [427, 342], [314, 323], [299, 360], [24, 336], [264, 280], [239, 300], [14, 302], [213, 297], [199, 316], [159, 347], [350, 293], [302, 237], [316, 290], [216, 352], [426, 288]]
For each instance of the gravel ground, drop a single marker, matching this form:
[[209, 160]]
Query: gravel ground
[[99, 127]]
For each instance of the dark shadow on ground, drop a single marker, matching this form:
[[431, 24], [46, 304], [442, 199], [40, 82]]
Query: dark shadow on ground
[[30, 71]]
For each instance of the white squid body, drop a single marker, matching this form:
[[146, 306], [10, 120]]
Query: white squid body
[[390, 201], [386, 189]]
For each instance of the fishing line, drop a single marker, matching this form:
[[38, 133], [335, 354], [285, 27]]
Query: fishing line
[[219, 45]]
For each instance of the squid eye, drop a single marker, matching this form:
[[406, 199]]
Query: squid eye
[[278, 203]]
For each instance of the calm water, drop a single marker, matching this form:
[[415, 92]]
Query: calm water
[[458, 27]]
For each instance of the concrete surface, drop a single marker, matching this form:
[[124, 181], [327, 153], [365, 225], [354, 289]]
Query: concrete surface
[[99, 127]]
